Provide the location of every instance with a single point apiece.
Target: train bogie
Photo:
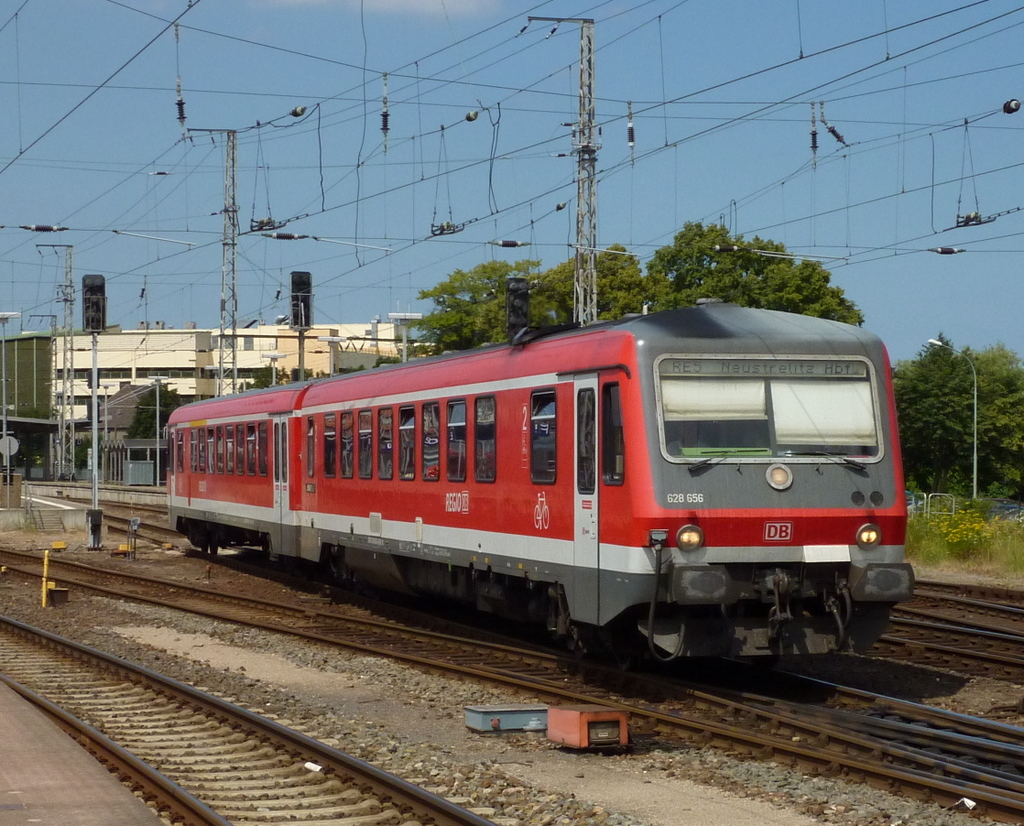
(709, 481)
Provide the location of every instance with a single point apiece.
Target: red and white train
(698, 482)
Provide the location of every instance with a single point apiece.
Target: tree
(694, 269)
(622, 287)
(469, 307)
(935, 407)
(261, 377)
(143, 424)
(1000, 429)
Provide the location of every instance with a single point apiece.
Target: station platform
(47, 778)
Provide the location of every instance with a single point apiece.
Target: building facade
(189, 361)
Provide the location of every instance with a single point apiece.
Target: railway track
(854, 735)
(218, 763)
(975, 630)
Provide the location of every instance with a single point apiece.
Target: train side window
(180, 450)
(240, 449)
(365, 444)
(220, 448)
(586, 441)
(250, 449)
(330, 444)
(277, 452)
(201, 443)
(543, 442)
(456, 458)
(347, 445)
(210, 451)
(310, 445)
(431, 442)
(485, 453)
(229, 449)
(281, 464)
(193, 451)
(613, 442)
(261, 447)
(385, 445)
(407, 442)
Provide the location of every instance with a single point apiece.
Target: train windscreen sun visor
(769, 408)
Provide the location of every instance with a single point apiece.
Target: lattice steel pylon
(229, 274)
(585, 146)
(65, 400)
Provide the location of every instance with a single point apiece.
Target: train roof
(729, 328)
(712, 328)
(280, 399)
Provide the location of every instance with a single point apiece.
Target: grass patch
(966, 541)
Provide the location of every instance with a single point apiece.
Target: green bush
(967, 539)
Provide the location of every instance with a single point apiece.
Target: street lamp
(402, 320)
(7, 445)
(273, 364)
(331, 341)
(157, 380)
(936, 343)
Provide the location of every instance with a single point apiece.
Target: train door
(281, 519)
(586, 558)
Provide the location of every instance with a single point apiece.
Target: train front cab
(782, 519)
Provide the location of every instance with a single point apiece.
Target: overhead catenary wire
(360, 199)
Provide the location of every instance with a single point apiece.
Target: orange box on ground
(587, 726)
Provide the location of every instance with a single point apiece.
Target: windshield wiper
(721, 452)
(831, 454)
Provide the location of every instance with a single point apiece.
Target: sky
(907, 98)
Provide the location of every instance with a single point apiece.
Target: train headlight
(779, 477)
(689, 538)
(868, 536)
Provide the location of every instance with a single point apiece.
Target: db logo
(778, 531)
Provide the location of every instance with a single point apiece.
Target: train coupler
(841, 614)
(780, 612)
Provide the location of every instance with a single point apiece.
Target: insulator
(472, 116)
(814, 130)
(1011, 106)
(384, 118)
(726, 248)
(284, 236)
(946, 250)
(630, 134)
(43, 228)
(181, 110)
(835, 134)
(510, 243)
(298, 111)
(561, 206)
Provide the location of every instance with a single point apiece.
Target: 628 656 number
(685, 498)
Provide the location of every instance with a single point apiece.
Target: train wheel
(334, 563)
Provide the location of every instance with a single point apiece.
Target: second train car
(708, 481)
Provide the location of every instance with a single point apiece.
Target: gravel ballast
(413, 724)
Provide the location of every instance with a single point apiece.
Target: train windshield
(751, 407)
